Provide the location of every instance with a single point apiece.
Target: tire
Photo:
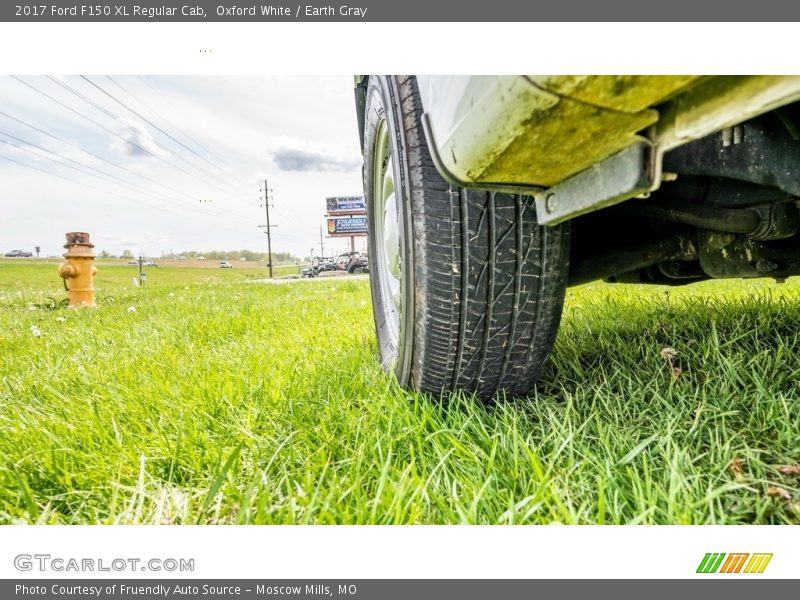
(480, 307)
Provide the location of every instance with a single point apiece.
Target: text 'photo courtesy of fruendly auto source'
(385, 299)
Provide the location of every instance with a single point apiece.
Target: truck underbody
(727, 207)
(665, 179)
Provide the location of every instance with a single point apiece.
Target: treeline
(278, 258)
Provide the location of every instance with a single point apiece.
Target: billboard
(346, 205)
(347, 226)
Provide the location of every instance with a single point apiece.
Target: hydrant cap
(78, 237)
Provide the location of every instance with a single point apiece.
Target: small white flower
(31, 307)
(131, 309)
(60, 319)
(35, 331)
(668, 353)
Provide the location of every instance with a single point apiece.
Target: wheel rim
(388, 229)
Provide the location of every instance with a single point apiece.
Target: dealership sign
(346, 205)
(347, 226)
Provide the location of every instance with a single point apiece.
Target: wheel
(467, 289)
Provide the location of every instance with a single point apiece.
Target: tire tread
(490, 282)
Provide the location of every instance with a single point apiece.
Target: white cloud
(135, 139)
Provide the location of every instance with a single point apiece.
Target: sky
(157, 164)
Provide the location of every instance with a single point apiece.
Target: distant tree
(127, 254)
(278, 258)
(105, 254)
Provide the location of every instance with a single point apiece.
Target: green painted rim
(388, 231)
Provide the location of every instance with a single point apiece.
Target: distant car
(145, 263)
(19, 254)
(224, 264)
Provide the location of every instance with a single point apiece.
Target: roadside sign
(346, 205)
(347, 226)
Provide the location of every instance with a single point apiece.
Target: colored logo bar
(736, 562)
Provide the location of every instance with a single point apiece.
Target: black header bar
(541, 11)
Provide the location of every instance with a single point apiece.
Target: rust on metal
(77, 270)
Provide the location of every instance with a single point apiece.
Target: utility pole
(269, 228)
(321, 245)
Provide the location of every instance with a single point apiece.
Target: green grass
(30, 278)
(220, 401)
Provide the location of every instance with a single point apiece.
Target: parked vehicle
(318, 265)
(18, 254)
(224, 264)
(351, 262)
(488, 196)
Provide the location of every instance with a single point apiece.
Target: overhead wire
(127, 141)
(97, 156)
(279, 212)
(183, 133)
(80, 170)
(284, 216)
(162, 131)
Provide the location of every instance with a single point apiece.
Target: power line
(89, 152)
(161, 207)
(32, 145)
(75, 181)
(81, 170)
(285, 216)
(183, 133)
(174, 139)
(146, 120)
(83, 116)
(80, 114)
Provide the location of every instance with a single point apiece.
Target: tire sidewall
(382, 102)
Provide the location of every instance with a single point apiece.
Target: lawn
(204, 398)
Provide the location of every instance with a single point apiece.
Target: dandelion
(35, 331)
(131, 309)
(668, 353)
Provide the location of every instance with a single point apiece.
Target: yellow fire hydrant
(78, 269)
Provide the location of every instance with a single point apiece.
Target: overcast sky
(142, 190)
